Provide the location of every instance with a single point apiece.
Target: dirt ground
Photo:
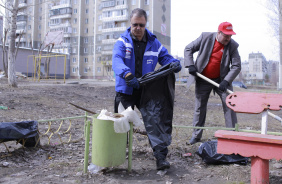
(54, 162)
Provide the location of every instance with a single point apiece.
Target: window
(85, 40)
(73, 70)
(74, 11)
(39, 35)
(74, 30)
(107, 14)
(99, 37)
(74, 40)
(120, 12)
(85, 60)
(40, 18)
(147, 2)
(86, 11)
(74, 60)
(120, 2)
(99, 69)
(100, 28)
(85, 51)
(85, 70)
(86, 21)
(74, 1)
(75, 20)
(99, 48)
(29, 27)
(86, 1)
(39, 27)
(86, 30)
(133, 2)
(74, 50)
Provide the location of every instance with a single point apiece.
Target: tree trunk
(4, 56)
(12, 47)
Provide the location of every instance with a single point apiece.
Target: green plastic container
(108, 147)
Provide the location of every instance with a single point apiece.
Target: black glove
(132, 81)
(176, 65)
(223, 86)
(193, 70)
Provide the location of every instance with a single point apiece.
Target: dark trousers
(202, 93)
(155, 102)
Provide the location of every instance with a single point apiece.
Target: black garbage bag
(25, 132)
(208, 152)
(157, 106)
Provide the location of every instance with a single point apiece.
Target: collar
(144, 38)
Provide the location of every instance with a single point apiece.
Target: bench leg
(259, 171)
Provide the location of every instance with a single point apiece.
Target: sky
(250, 20)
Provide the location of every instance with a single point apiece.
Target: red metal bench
(260, 147)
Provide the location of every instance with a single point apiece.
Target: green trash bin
(108, 147)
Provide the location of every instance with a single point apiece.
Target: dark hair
(139, 13)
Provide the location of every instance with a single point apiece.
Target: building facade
(90, 29)
(1, 26)
(258, 71)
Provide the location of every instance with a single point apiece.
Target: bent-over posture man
(219, 60)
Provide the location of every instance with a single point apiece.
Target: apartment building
(1, 26)
(255, 69)
(90, 29)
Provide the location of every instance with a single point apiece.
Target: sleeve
(190, 49)
(118, 59)
(235, 65)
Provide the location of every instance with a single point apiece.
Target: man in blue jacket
(135, 54)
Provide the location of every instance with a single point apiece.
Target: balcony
(113, 29)
(19, 31)
(22, 13)
(21, 23)
(107, 63)
(62, 16)
(66, 44)
(22, 40)
(115, 18)
(67, 35)
(55, 26)
(22, 5)
(67, 5)
(60, 13)
(109, 41)
(107, 52)
(119, 7)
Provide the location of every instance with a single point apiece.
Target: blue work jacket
(124, 59)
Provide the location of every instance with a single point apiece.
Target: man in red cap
(219, 60)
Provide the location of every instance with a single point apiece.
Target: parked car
(239, 84)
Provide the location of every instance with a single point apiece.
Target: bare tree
(4, 53)
(275, 19)
(12, 47)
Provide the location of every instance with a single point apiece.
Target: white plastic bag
(94, 169)
(121, 124)
(132, 116)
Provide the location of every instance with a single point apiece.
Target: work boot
(162, 164)
(193, 140)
